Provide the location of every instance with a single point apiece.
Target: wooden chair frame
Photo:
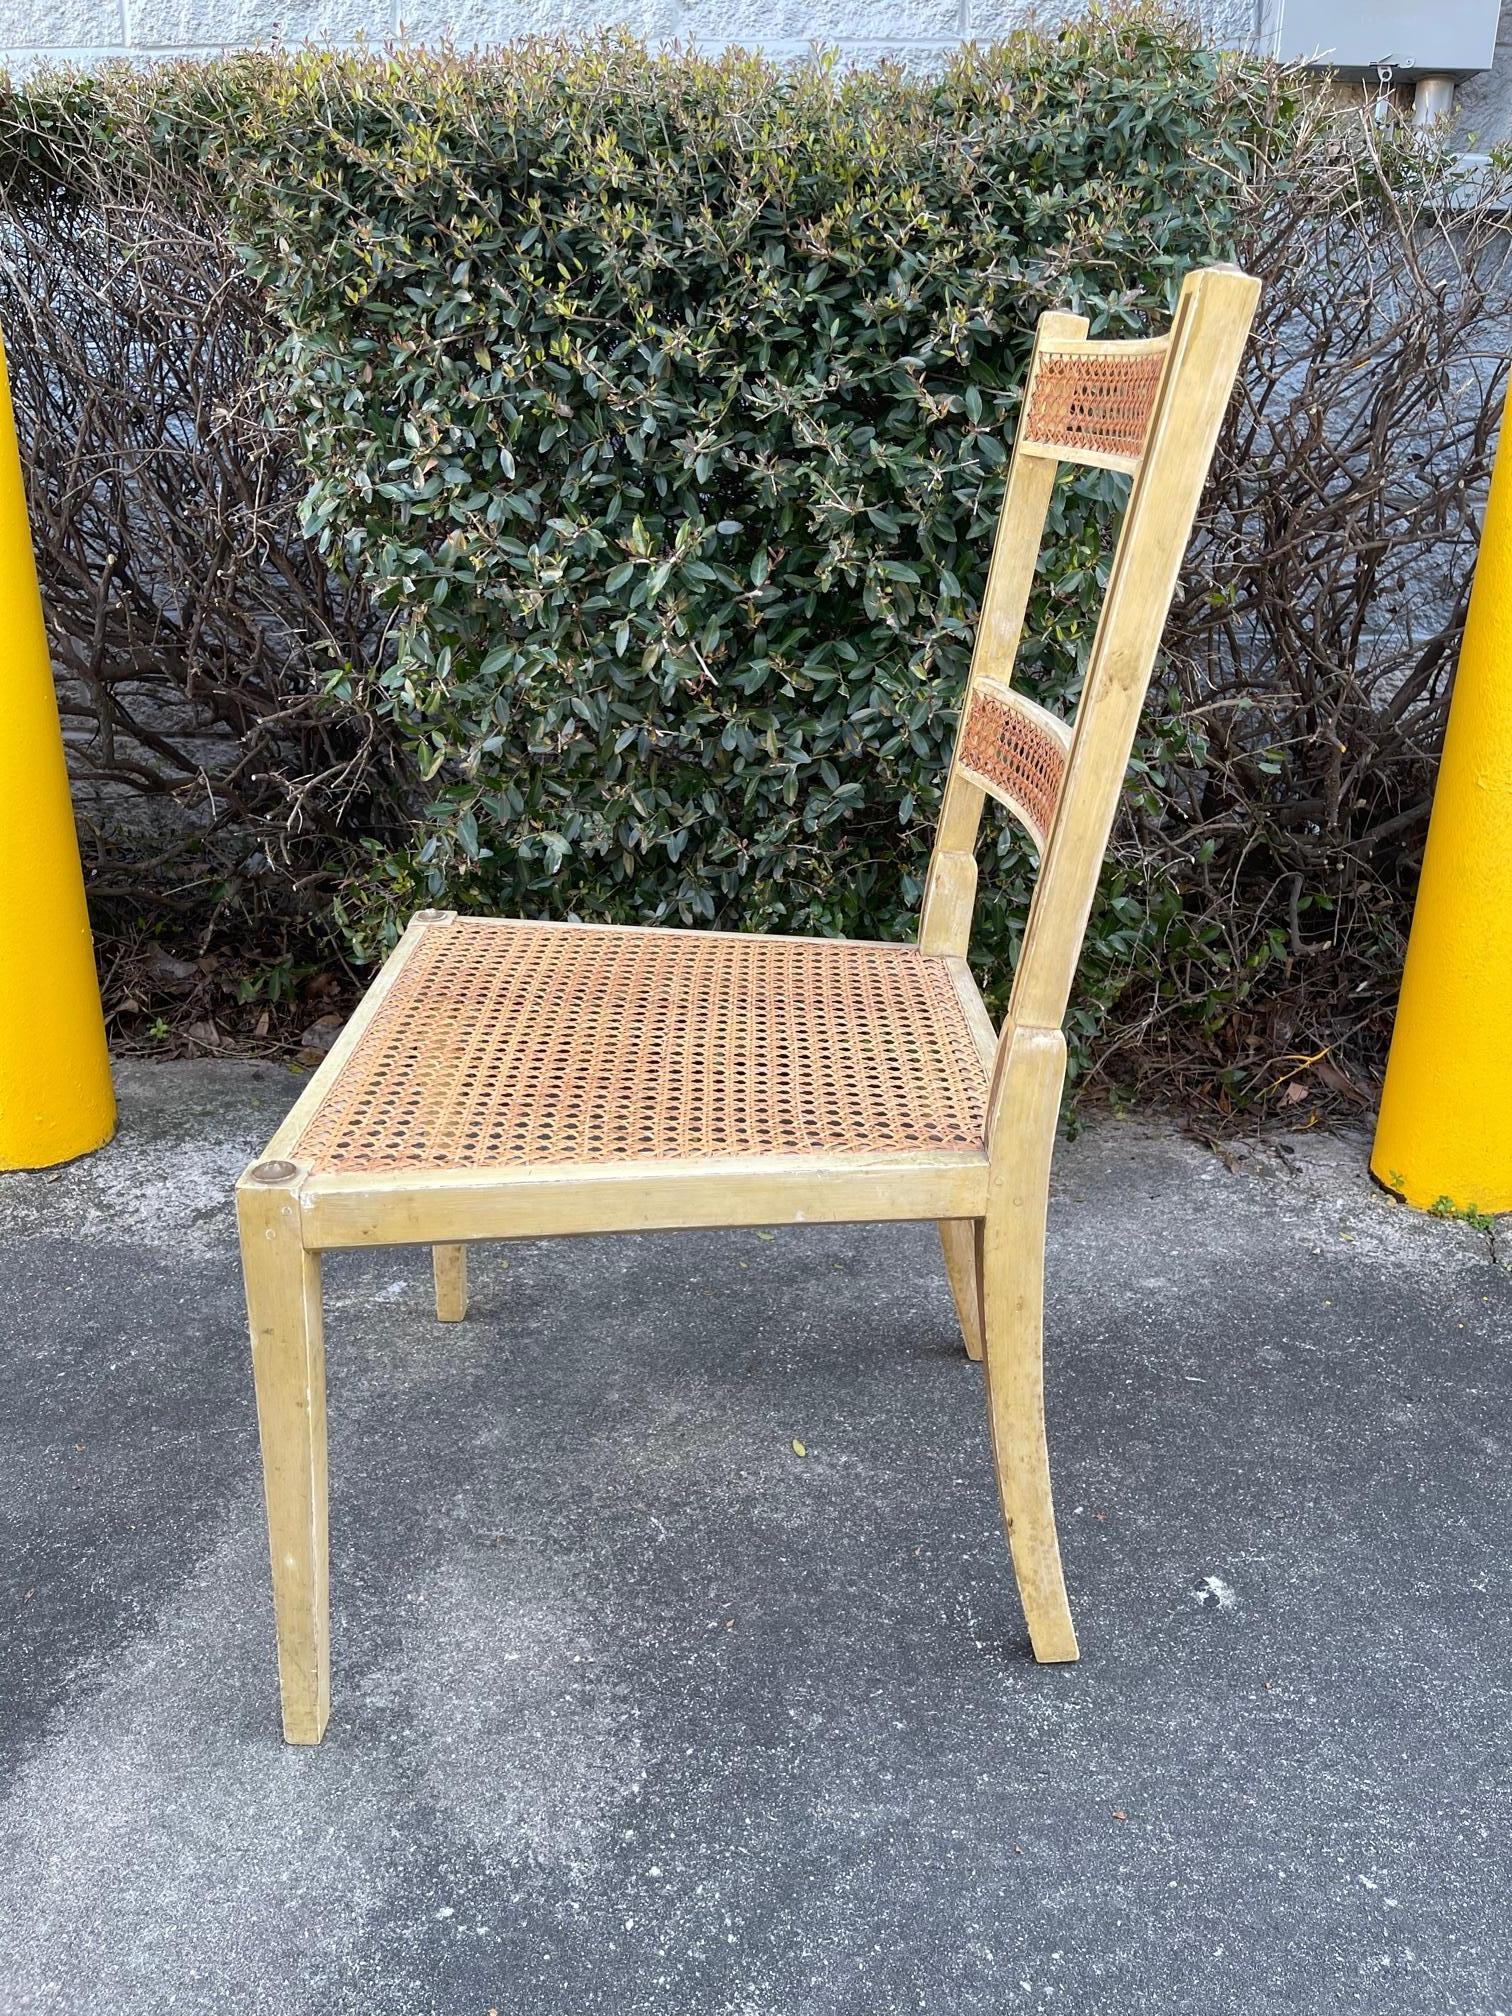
(1150, 408)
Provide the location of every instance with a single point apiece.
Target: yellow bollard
(55, 1094)
(1444, 1138)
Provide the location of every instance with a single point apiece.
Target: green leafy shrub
(663, 403)
(651, 415)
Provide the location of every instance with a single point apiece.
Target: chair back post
(950, 891)
(1207, 341)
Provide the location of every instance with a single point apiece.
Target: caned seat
(508, 1045)
(505, 1079)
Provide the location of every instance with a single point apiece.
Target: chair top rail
(1090, 401)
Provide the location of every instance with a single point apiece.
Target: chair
(505, 1079)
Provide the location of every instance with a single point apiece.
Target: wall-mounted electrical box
(1446, 38)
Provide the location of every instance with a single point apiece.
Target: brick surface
(485, 23)
(193, 24)
(802, 21)
(76, 24)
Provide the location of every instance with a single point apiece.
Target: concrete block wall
(33, 31)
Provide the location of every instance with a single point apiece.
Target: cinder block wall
(87, 30)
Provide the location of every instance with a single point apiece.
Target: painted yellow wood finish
(976, 1158)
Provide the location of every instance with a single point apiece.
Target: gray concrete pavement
(637, 1711)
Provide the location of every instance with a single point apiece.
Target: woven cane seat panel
(1016, 755)
(1100, 402)
(510, 1045)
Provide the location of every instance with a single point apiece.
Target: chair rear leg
(960, 1239)
(288, 1366)
(1013, 1309)
(450, 1266)
(1013, 1275)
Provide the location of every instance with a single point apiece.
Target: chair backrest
(1152, 408)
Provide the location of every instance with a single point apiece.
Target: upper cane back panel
(511, 1045)
(1017, 751)
(1093, 402)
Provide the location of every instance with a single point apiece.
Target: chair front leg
(1013, 1305)
(961, 1242)
(449, 1265)
(288, 1366)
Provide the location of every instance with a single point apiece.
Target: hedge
(653, 414)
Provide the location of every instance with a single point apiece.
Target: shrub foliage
(653, 416)
(664, 404)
